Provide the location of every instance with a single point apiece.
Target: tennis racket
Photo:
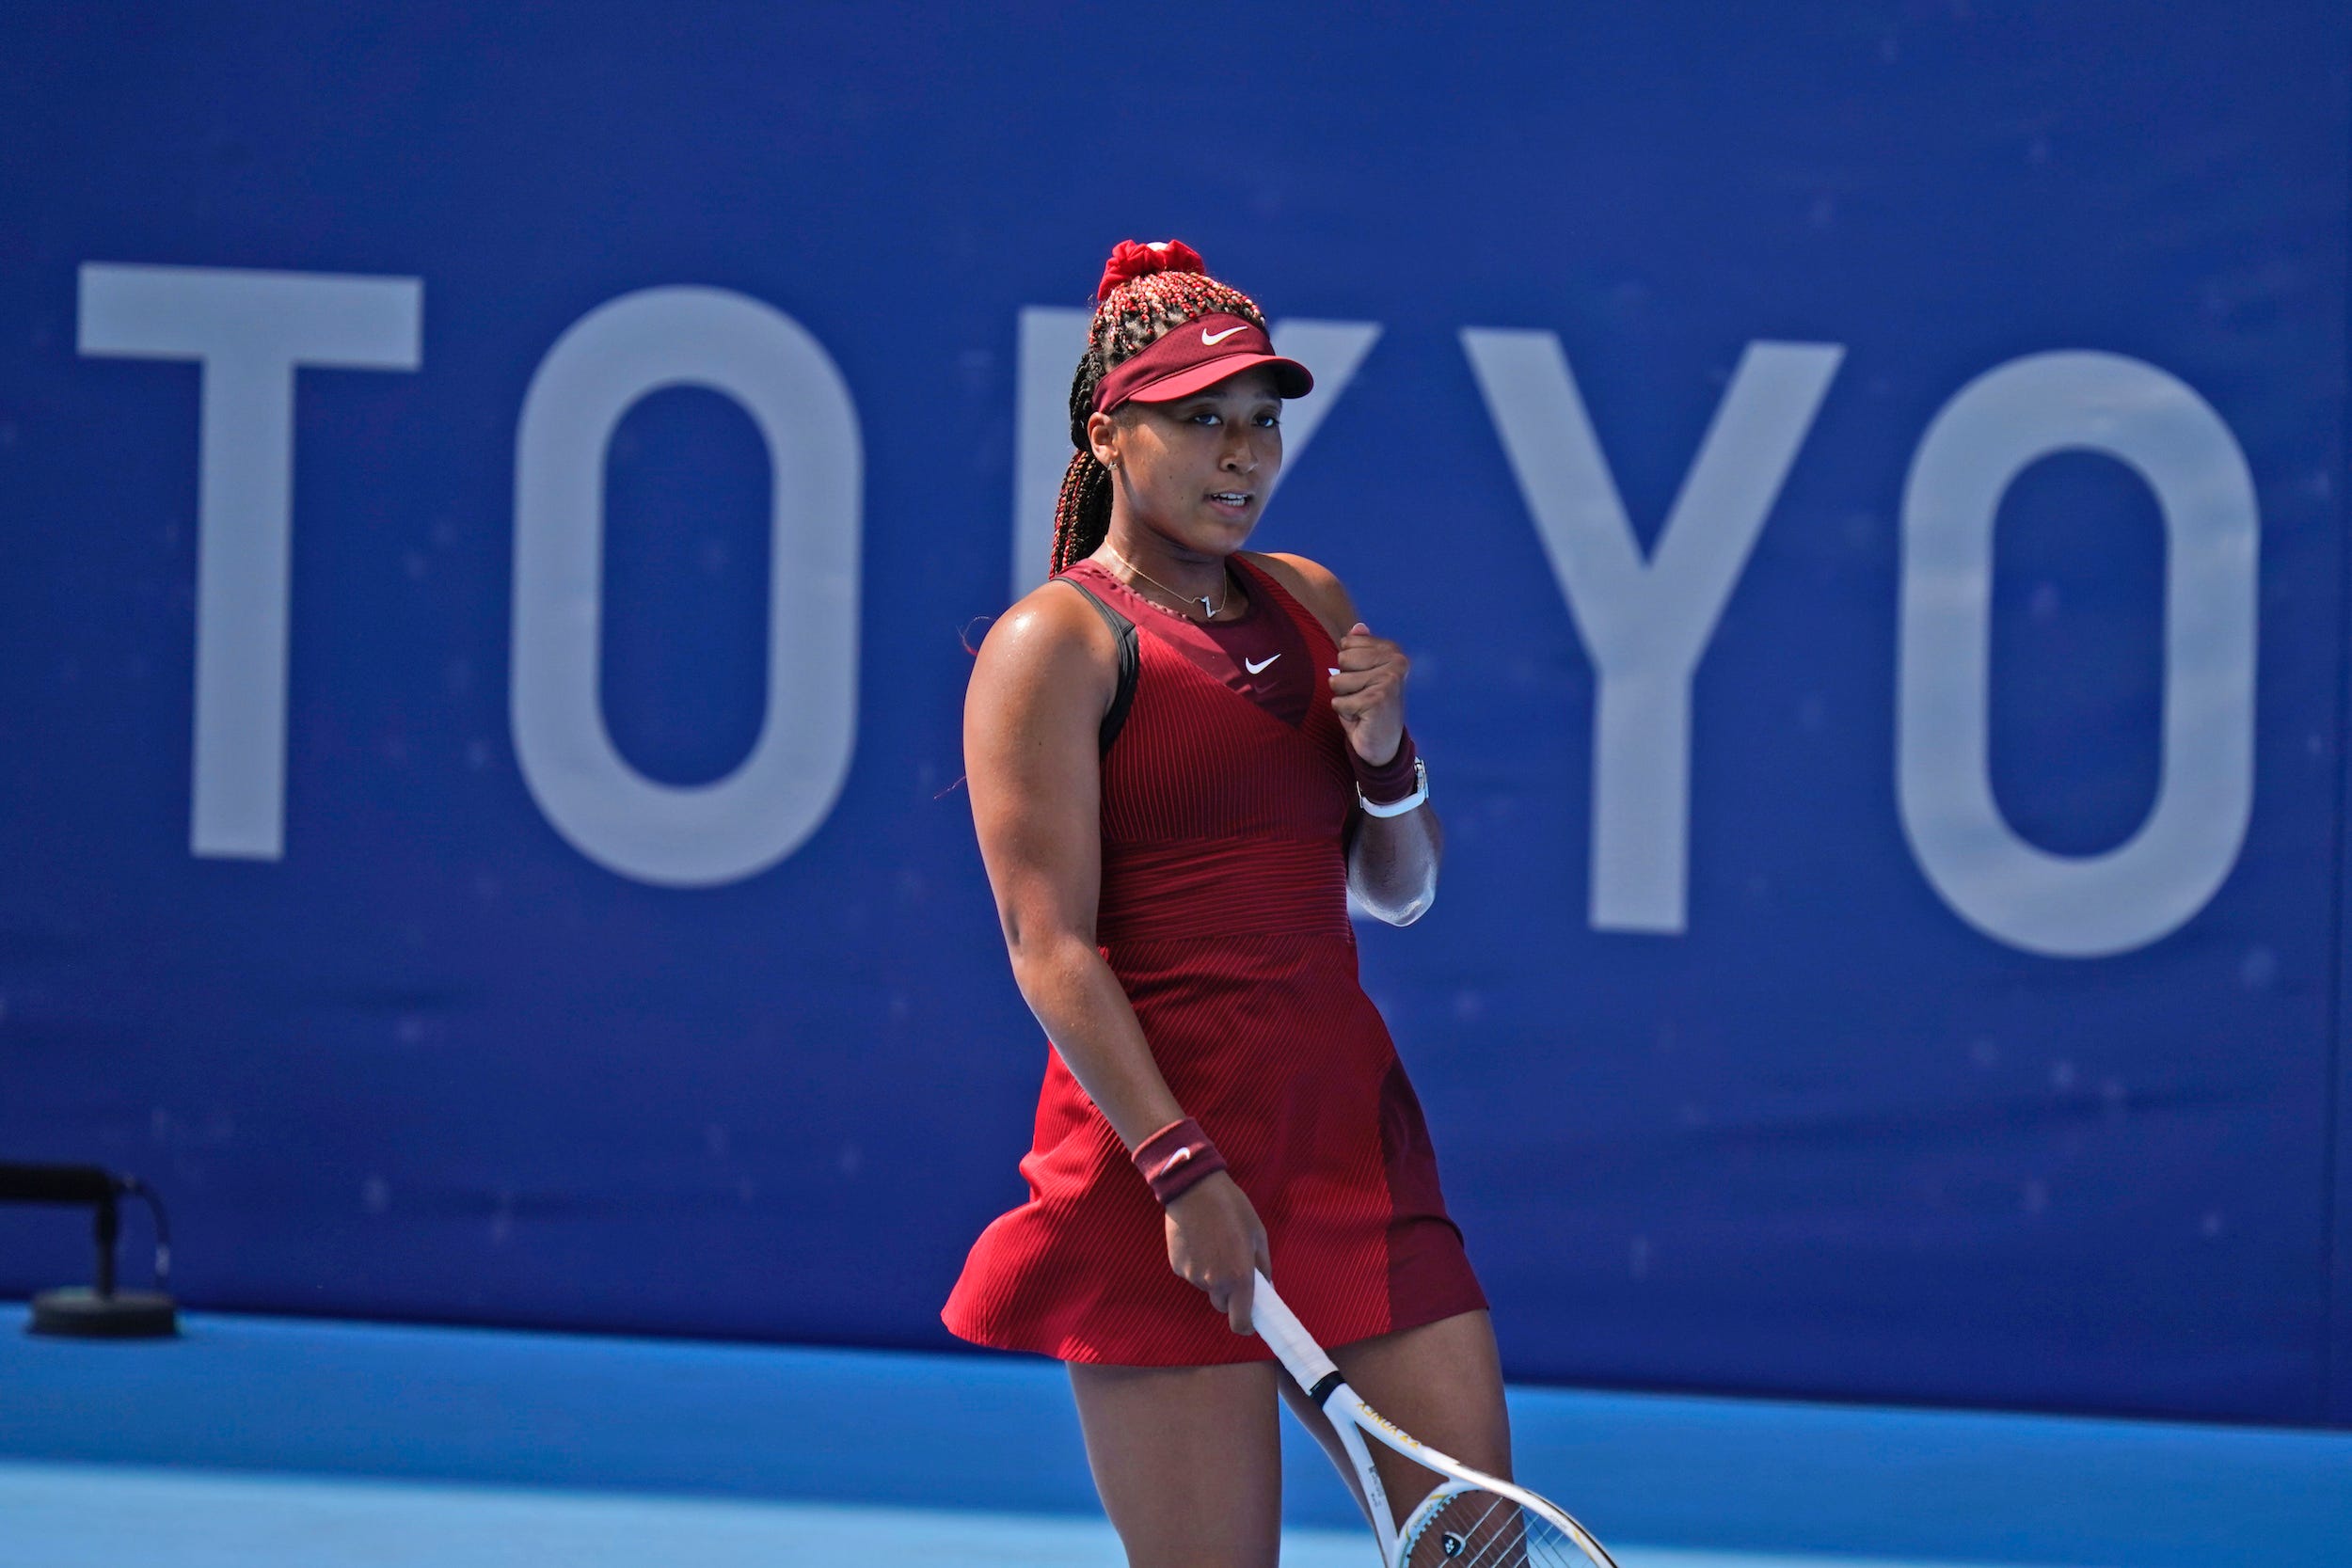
(1473, 1520)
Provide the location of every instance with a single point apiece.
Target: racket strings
(1477, 1528)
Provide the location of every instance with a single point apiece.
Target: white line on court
(103, 1517)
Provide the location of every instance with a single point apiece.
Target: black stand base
(79, 1313)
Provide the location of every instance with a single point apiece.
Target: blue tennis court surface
(95, 1517)
(268, 1443)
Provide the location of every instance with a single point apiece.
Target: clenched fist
(1368, 693)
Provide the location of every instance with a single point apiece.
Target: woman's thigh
(1442, 1381)
(1188, 1461)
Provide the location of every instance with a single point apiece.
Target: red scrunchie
(1131, 260)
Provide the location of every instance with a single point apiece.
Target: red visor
(1199, 354)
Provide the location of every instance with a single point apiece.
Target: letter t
(248, 330)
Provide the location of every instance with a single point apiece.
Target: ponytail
(1082, 516)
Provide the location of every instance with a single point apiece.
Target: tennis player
(1183, 756)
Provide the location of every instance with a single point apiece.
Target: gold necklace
(1208, 611)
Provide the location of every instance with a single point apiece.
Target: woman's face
(1195, 471)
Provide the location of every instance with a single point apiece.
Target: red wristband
(1176, 1159)
(1392, 780)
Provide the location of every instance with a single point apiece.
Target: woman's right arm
(1031, 720)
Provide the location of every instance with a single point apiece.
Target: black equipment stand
(99, 1312)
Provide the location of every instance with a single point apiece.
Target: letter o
(2013, 416)
(699, 835)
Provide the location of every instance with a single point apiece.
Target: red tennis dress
(1223, 911)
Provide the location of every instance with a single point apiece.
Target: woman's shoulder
(1312, 584)
(1050, 635)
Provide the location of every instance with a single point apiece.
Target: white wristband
(1398, 808)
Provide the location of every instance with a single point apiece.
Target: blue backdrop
(1942, 1005)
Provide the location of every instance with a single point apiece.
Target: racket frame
(1353, 1418)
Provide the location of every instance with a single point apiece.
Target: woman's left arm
(1392, 860)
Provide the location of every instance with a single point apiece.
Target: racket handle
(1287, 1338)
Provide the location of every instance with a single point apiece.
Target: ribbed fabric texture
(1260, 653)
(1224, 913)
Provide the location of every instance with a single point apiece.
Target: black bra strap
(1123, 631)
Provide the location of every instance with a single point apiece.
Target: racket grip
(1287, 1338)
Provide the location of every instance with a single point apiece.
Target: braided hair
(1147, 291)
